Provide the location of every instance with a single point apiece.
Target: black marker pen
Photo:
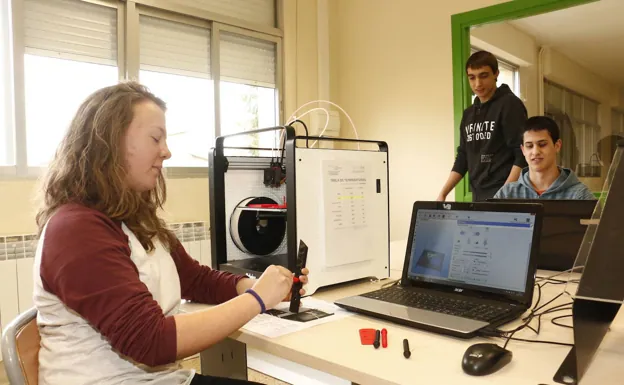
(377, 337)
(406, 351)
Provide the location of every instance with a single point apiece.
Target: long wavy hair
(89, 166)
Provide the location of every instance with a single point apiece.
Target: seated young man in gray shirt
(543, 179)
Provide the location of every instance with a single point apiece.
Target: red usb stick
(384, 338)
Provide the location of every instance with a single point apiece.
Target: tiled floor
(192, 363)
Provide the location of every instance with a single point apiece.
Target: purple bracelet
(262, 307)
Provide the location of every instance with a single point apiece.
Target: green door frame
(460, 33)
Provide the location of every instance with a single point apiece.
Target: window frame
(21, 170)
(515, 69)
(216, 23)
(128, 64)
(7, 79)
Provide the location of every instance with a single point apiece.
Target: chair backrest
(20, 349)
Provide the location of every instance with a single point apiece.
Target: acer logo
(446, 206)
(458, 290)
(251, 275)
(476, 355)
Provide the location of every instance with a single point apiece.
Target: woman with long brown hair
(109, 275)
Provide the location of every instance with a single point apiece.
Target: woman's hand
(304, 279)
(273, 285)
(272, 276)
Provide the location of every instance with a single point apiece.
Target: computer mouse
(483, 359)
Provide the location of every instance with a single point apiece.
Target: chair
(20, 349)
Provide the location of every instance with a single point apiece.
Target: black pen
(377, 336)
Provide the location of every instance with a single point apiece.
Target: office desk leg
(226, 359)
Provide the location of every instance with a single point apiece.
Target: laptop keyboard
(446, 305)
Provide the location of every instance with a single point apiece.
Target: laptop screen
(562, 232)
(478, 249)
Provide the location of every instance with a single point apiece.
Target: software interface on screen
(488, 249)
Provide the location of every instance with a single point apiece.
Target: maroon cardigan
(86, 263)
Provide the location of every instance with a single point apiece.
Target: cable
(541, 342)
(501, 334)
(312, 110)
(335, 105)
(275, 147)
(304, 114)
(539, 298)
(283, 146)
(508, 335)
(554, 281)
(549, 302)
(532, 312)
(550, 277)
(556, 308)
(304, 127)
(389, 284)
(560, 324)
(509, 339)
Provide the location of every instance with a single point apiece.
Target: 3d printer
(263, 201)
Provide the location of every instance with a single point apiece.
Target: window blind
(247, 60)
(71, 29)
(172, 47)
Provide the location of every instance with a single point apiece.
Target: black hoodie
(491, 135)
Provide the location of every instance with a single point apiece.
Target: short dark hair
(482, 59)
(541, 123)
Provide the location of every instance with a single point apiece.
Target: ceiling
(591, 35)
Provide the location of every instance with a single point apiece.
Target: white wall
(395, 80)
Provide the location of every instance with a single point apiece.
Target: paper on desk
(271, 326)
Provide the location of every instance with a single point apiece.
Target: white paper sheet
(272, 326)
(347, 190)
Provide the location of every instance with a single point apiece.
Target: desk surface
(436, 359)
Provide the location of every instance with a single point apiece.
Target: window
(54, 89)
(175, 65)
(71, 48)
(70, 51)
(577, 117)
(508, 74)
(7, 145)
(247, 90)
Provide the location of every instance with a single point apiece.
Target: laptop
(467, 266)
(562, 231)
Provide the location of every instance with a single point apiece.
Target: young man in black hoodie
(491, 132)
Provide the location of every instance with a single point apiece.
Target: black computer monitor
(562, 231)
